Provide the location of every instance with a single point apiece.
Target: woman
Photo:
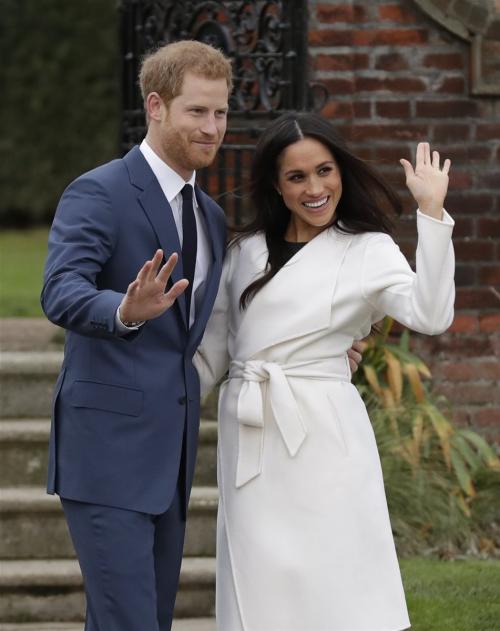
(304, 538)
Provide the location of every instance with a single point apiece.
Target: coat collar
(298, 300)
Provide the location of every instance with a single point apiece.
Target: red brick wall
(396, 77)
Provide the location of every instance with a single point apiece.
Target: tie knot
(187, 193)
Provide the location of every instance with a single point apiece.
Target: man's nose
(209, 125)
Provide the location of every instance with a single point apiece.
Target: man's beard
(184, 153)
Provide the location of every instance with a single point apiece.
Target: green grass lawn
(22, 256)
(452, 595)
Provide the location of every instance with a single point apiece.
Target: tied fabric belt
(285, 411)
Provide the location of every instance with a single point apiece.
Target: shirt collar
(170, 181)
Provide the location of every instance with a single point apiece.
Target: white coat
(304, 540)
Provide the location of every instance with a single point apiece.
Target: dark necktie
(189, 242)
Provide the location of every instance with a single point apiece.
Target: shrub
(441, 479)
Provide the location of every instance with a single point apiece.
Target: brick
(467, 153)
(488, 227)
(452, 85)
(396, 13)
(461, 346)
(465, 275)
(362, 109)
(446, 109)
(367, 37)
(392, 153)
(390, 84)
(393, 109)
(489, 180)
(391, 61)
(490, 323)
(487, 417)
(464, 324)
(339, 86)
(469, 371)
(341, 62)
(470, 393)
(338, 109)
(488, 131)
(389, 37)
(330, 37)
(468, 203)
(390, 132)
(476, 298)
(490, 275)
(445, 61)
(493, 31)
(474, 250)
(460, 179)
(340, 13)
(451, 133)
(464, 227)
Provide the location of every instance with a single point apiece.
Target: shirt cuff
(121, 328)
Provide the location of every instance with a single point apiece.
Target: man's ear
(154, 106)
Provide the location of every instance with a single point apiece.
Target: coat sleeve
(81, 241)
(422, 300)
(212, 356)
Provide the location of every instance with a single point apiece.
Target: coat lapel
(295, 302)
(159, 213)
(212, 283)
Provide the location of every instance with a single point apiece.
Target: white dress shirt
(171, 184)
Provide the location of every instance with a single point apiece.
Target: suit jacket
(122, 404)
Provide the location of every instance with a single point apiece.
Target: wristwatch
(129, 325)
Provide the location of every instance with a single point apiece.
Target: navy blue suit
(126, 409)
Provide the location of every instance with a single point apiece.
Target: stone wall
(397, 73)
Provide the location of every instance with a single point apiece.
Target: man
(126, 412)
(126, 407)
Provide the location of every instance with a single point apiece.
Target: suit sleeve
(81, 241)
(211, 359)
(422, 300)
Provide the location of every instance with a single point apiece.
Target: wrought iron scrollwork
(267, 42)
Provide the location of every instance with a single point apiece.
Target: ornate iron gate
(267, 41)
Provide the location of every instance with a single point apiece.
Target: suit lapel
(212, 283)
(159, 213)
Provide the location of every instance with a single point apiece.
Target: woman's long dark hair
(363, 207)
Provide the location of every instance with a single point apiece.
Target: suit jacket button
(182, 400)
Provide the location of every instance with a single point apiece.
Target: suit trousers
(130, 563)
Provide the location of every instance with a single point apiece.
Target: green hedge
(60, 99)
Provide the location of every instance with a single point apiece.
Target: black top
(291, 248)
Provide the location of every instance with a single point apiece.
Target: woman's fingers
(427, 153)
(446, 166)
(420, 156)
(435, 159)
(407, 167)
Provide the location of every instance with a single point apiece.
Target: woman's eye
(295, 178)
(325, 170)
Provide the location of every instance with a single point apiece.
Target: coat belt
(285, 411)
